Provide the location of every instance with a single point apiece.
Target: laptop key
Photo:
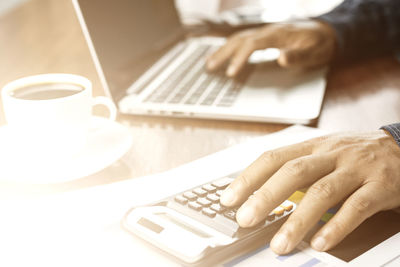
(172, 82)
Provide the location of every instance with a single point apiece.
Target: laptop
(148, 67)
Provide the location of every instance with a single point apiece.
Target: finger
(260, 170)
(294, 57)
(239, 59)
(223, 54)
(293, 175)
(362, 204)
(321, 196)
(247, 47)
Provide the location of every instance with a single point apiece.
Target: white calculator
(195, 229)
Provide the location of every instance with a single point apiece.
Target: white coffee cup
(49, 115)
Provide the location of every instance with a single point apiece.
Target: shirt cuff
(394, 130)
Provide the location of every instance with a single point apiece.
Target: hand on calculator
(195, 229)
(363, 170)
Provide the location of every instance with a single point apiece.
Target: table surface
(44, 36)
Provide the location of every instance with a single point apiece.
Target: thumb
(294, 57)
(304, 57)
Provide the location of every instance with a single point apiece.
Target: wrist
(328, 33)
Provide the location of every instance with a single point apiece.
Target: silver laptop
(148, 67)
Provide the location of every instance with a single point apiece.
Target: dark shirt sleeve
(394, 130)
(365, 28)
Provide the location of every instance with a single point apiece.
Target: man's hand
(303, 44)
(363, 170)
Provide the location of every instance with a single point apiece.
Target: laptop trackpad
(270, 86)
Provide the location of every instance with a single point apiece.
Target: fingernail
(228, 197)
(279, 243)
(246, 215)
(319, 243)
(231, 71)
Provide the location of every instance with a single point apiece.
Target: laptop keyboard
(191, 84)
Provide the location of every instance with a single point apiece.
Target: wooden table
(44, 36)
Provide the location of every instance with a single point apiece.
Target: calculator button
(204, 202)
(209, 188)
(219, 192)
(271, 217)
(287, 206)
(218, 208)
(194, 205)
(278, 211)
(231, 214)
(213, 198)
(209, 212)
(190, 195)
(222, 183)
(200, 192)
(180, 199)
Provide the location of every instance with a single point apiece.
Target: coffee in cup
(49, 115)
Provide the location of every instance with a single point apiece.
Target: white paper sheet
(82, 228)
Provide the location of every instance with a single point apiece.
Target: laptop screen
(129, 36)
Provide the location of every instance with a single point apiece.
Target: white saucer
(107, 142)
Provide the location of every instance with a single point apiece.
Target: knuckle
(361, 205)
(244, 181)
(311, 143)
(386, 174)
(389, 183)
(337, 227)
(297, 56)
(270, 156)
(370, 155)
(387, 180)
(364, 154)
(293, 224)
(294, 168)
(322, 190)
(291, 57)
(235, 37)
(265, 195)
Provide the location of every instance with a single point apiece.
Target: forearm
(365, 27)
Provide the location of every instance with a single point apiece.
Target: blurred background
(7, 5)
(37, 41)
(234, 11)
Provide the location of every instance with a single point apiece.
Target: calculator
(195, 229)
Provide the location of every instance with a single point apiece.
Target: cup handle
(105, 101)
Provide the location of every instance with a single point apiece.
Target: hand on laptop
(304, 44)
(361, 170)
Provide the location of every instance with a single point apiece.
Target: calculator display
(183, 225)
(150, 225)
